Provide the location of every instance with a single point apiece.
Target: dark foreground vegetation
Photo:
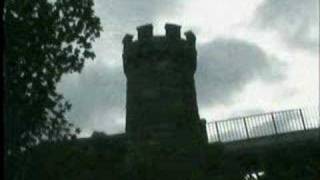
(44, 39)
(106, 157)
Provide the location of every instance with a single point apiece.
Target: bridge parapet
(263, 125)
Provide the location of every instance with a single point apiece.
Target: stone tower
(161, 95)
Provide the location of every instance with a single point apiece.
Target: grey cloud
(98, 98)
(130, 12)
(119, 17)
(294, 20)
(225, 66)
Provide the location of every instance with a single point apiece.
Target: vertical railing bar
(236, 127)
(281, 121)
(286, 114)
(274, 123)
(226, 127)
(296, 123)
(291, 116)
(317, 115)
(245, 126)
(236, 134)
(249, 123)
(269, 119)
(264, 120)
(288, 118)
(241, 131)
(256, 125)
(217, 129)
(314, 120)
(298, 117)
(233, 134)
(238, 130)
(222, 131)
(208, 129)
(253, 129)
(255, 132)
(234, 130)
(290, 121)
(260, 125)
(286, 124)
(252, 125)
(211, 132)
(263, 129)
(307, 112)
(302, 119)
(208, 126)
(229, 125)
(256, 121)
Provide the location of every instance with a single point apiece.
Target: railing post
(245, 125)
(274, 123)
(218, 134)
(302, 119)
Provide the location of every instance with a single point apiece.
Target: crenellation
(159, 55)
(172, 31)
(145, 32)
(126, 41)
(191, 38)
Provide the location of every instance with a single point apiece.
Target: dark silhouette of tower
(161, 95)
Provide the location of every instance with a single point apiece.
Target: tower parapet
(172, 31)
(169, 50)
(145, 32)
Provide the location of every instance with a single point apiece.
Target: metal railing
(267, 124)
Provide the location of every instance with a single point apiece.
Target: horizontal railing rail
(265, 124)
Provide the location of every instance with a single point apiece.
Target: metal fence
(254, 126)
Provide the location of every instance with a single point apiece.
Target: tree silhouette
(44, 39)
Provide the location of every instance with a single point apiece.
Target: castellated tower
(161, 96)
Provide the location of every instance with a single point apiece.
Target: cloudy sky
(253, 56)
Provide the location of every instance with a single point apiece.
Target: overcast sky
(253, 56)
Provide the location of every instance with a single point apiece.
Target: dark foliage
(82, 159)
(44, 40)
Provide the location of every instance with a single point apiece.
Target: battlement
(145, 33)
(161, 54)
(172, 31)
